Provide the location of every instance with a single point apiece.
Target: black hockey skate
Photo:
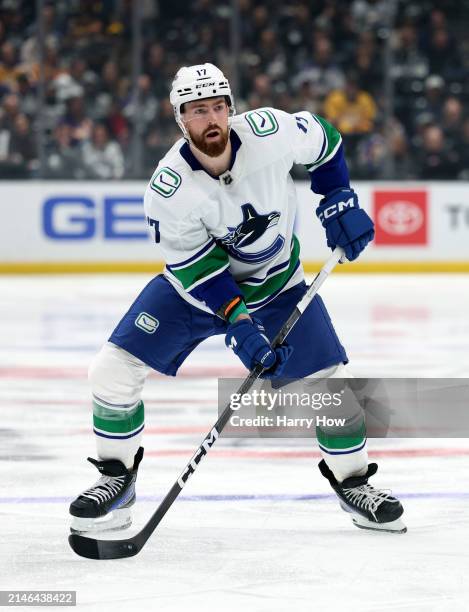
(370, 508)
(106, 505)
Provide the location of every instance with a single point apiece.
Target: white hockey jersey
(243, 220)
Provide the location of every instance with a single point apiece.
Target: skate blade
(360, 521)
(396, 526)
(117, 520)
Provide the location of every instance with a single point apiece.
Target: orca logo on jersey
(251, 228)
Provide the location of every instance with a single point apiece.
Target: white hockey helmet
(195, 83)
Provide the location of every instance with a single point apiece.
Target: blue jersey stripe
(186, 262)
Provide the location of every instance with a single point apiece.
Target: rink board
(100, 227)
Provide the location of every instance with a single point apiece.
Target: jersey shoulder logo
(166, 182)
(262, 122)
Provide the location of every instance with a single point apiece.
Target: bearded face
(206, 122)
(212, 141)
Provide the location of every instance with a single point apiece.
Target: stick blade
(102, 549)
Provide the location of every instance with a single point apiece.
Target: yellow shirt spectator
(351, 111)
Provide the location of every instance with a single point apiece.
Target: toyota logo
(400, 218)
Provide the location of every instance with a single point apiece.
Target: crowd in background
(324, 56)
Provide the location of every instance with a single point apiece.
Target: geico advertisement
(82, 218)
(74, 222)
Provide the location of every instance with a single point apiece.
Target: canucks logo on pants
(251, 228)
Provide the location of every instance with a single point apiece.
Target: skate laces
(367, 497)
(105, 488)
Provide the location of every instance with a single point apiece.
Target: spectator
(165, 124)
(76, 117)
(435, 161)
(351, 110)
(107, 89)
(444, 55)
(403, 166)
(148, 104)
(296, 27)
(452, 119)
(292, 55)
(81, 73)
(262, 92)
(116, 121)
(18, 156)
(464, 150)
(102, 157)
(307, 99)
(323, 74)
(63, 158)
(153, 151)
(409, 62)
(27, 95)
(52, 30)
(9, 67)
(370, 14)
(431, 104)
(272, 57)
(371, 160)
(366, 64)
(155, 68)
(9, 110)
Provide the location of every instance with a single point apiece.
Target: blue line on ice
(242, 497)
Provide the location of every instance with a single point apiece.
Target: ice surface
(256, 528)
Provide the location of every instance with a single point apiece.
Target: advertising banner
(98, 226)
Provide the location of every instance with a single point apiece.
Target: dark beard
(212, 149)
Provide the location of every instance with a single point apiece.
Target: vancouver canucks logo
(251, 228)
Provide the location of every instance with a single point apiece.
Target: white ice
(240, 536)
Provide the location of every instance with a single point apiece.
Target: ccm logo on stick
(196, 459)
(82, 218)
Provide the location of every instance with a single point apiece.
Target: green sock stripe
(118, 421)
(341, 442)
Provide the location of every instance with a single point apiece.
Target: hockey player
(221, 205)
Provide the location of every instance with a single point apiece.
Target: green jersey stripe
(314, 166)
(256, 293)
(207, 266)
(333, 140)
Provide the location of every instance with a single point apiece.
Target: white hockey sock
(117, 379)
(354, 463)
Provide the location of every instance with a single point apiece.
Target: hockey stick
(119, 549)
